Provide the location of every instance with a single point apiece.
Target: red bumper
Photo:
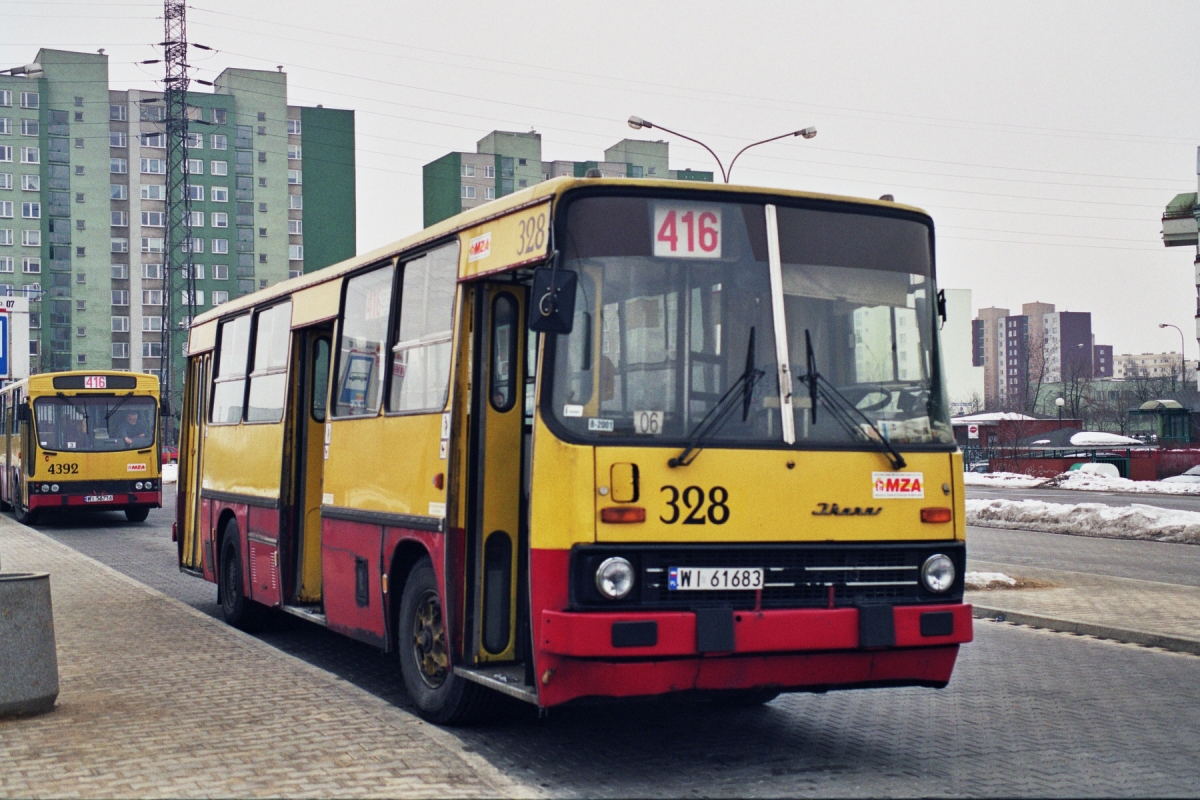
(785, 649)
(75, 500)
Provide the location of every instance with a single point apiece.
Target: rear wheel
(238, 609)
(137, 513)
(441, 696)
(23, 514)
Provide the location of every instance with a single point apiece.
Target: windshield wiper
(840, 408)
(113, 410)
(78, 409)
(711, 422)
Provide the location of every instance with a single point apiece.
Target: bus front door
(311, 352)
(496, 539)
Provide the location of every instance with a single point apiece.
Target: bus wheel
(137, 513)
(441, 696)
(22, 514)
(238, 609)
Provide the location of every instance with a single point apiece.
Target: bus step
(507, 678)
(309, 613)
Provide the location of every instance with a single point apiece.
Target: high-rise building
(505, 161)
(987, 331)
(1132, 366)
(83, 175)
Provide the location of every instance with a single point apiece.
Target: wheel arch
(406, 555)
(223, 520)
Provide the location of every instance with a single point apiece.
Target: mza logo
(901, 485)
(480, 247)
(136, 467)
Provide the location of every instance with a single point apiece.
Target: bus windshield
(674, 309)
(95, 424)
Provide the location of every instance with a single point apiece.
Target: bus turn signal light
(623, 514)
(439, 480)
(936, 515)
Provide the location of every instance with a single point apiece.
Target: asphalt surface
(1028, 712)
(1178, 502)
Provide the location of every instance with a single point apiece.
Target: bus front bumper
(650, 653)
(96, 500)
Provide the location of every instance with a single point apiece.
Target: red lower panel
(564, 679)
(352, 552)
(119, 500)
(264, 573)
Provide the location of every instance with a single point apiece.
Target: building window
(194, 245)
(153, 191)
(31, 210)
(81, 332)
(220, 246)
(120, 297)
(295, 227)
(218, 167)
(79, 143)
(152, 324)
(120, 245)
(152, 297)
(196, 219)
(118, 191)
(219, 297)
(220, 272)
(262, 156)
(80, 224)
(6, 180)
(195, 166)
(154, 166)
(154, 140)
(219, 141)
(152, 245)
(468, 192)
(31, 266)
(117, 113)
(5, 153)
(196, 192)
(119, 219)
(6, 236)
(152, 272)
(197, 271)
(151, 349)
(489, 171)
(489, 193)
(6, 264)
(295, 252)
(195, 141)
(219, 219)
(31, 238)
(220, 194)
(32, 291)
(80, 252)
(293, 152)
(120, 271)
(120, 349)
(6, 208)
(30, 100)
(31, 155)
(218, 116)
(185, 296)
(467, 171)
(30, 127)
(262, 182)
(154, 219)
(293, 127)
(262, 208)
(79, 168)
(31, 183)
(295, 177)
(262, 233)
(5, 98)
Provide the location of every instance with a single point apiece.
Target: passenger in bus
(133, 430)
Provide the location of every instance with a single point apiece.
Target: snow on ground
(1001, 480)
(988, 580)
(170, 473)
(1088, 519)
(1091, 482)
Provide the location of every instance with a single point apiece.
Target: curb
(1178, 644)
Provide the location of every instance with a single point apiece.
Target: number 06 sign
(687, 231)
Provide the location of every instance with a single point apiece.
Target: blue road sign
(4, 360)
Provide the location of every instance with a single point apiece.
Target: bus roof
(44, 382)
(495, 208)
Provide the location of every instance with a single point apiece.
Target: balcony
(1179, 221)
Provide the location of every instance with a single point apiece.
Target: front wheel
(137, 513)
(21, 512)
(441, 696)
(238, 609)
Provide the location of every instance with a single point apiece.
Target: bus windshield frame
(95, 423)
(857, 281)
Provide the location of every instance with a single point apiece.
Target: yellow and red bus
(81, 440)
(598, 438)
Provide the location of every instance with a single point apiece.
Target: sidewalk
(159, 700)
(1154, 614)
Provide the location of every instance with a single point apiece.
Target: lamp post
(1182, 353)
(1058, 401)
(637, 123)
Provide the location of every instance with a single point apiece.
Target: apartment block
(83, 205)
(506, 161)
(1132, 366)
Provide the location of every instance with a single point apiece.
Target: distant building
(1131, 366)
(1102, 361)
(964, 377)
(505, 161)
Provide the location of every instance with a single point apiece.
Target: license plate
(682, 579)
(98, 498)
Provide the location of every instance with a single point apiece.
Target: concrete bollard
(28, 659)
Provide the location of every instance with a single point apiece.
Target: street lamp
(1182, 352)
(637, 123)
(1058, 401)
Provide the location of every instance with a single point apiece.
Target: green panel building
(505, 161)
(83, 177)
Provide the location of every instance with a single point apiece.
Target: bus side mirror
(552, 301)
(23, 412)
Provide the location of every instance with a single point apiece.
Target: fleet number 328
(700, 508)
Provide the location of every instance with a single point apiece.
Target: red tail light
(623, 514)
(936, 515)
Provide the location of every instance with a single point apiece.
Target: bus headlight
(938, 573)
(45, 487)
(614, 578)
(54, 487)
(138, 485)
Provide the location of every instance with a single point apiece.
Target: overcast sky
(1044, 138)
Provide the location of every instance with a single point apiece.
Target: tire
(239, 610)
(22, 514)
(441, 696)
(137, 513)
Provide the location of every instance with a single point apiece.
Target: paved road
(1180, 502)
(1028, 712)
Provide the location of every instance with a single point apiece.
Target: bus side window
(420, 362)
(268, 378)
(364, 330)
(320, 379)
(229, 384)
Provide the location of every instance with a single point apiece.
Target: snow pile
(1092, 482)
(988, 580)
(1102, 439)
(1088, 519)
(1001, 480)
(170, 473)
